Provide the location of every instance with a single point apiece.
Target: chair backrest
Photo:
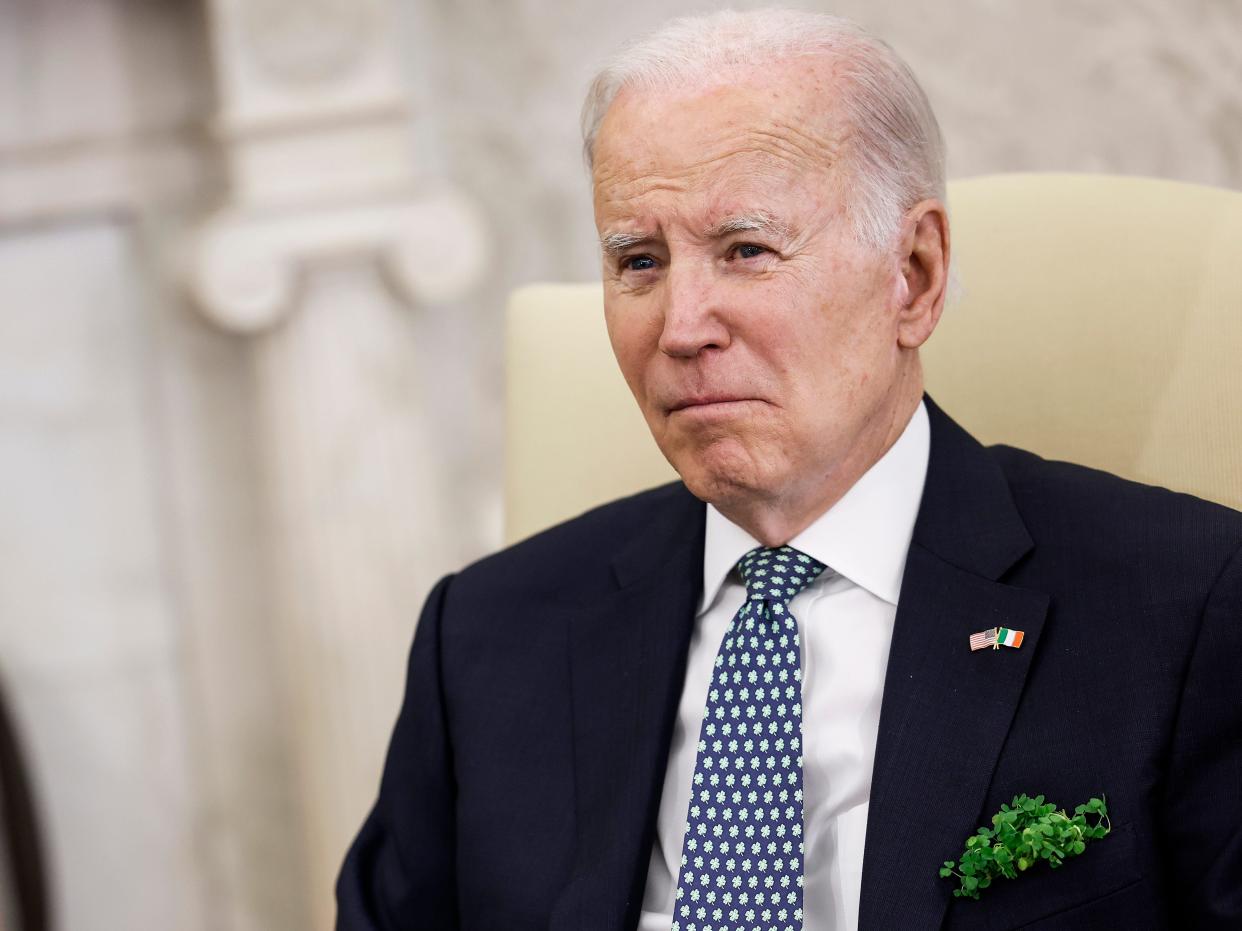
(1099, 320)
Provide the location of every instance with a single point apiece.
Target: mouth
(709, 403)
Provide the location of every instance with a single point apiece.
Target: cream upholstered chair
(1099, 321)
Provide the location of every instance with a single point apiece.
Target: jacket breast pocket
(1105, 867)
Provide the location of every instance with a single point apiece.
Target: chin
(722, 473)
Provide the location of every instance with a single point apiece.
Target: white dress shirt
(845, 619)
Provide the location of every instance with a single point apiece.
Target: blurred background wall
(253, 258)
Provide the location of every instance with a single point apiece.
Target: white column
(324, 252)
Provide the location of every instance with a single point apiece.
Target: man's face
(759, 337)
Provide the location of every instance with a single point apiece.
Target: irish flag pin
(996, 638)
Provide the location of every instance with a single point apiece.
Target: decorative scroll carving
(246, 265)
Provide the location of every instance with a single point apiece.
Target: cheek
(634, 340)
(826, 361)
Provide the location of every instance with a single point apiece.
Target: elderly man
(750, 700)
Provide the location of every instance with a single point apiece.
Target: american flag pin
(996, 638)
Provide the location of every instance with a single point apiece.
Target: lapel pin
(996, 638)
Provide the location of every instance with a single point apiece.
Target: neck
(776, 520)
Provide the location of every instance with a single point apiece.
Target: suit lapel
(628, 657)
(945, 711)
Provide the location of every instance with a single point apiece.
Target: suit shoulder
(579, 550)
(1085, 507)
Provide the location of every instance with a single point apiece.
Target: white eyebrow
(746, 223)
(614, 244)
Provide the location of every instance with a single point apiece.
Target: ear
(924, 255)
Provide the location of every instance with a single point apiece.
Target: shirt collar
(864, 537)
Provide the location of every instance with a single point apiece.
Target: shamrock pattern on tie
(741, 859)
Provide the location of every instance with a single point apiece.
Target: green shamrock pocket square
(1023, 833)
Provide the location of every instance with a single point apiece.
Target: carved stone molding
(307, 41)
(80, 136)
(247, 265)
(313, 127)
(283, 60)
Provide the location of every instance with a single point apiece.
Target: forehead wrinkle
(717, 178)
(770, 159)
(651, 169)
(760, 151)
(793, 144)
(622, 193)
(740, 165)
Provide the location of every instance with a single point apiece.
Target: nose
(693, 319)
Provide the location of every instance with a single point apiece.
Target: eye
(637, 263)
(747, 250)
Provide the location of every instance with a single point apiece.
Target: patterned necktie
(741, 861)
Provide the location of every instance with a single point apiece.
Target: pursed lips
(710, 400)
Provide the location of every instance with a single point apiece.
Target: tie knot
(777, 574)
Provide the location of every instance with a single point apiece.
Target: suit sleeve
(1204, 811)
(399, 872)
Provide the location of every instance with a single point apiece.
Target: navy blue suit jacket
(524, 775)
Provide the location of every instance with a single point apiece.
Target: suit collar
(945, 711)
(967, 516)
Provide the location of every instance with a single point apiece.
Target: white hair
(893, 148)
